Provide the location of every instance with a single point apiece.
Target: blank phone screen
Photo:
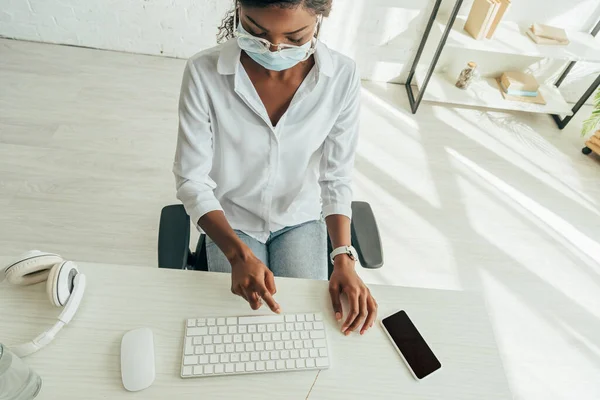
(411, 344)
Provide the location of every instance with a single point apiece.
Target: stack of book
(544, 34)
(484, 17)
(519, 86)
(593, 143)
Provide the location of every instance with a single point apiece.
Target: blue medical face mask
(286, 57)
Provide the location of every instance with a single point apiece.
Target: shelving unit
(509, 38)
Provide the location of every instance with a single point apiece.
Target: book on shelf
(515, 92)
(538, 99)
(502, 9)
(550, 32)
(563, 41)
(479, 17)
(517, 80)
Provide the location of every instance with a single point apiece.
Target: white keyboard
(257, 344)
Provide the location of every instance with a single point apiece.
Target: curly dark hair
(318, 7)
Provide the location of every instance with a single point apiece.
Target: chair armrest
(365, 236)
(173, 238)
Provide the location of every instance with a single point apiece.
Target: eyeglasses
(254, 44)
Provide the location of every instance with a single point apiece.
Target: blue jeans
(294, 252)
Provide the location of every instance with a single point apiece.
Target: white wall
(381, 35)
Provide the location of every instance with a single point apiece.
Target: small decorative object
(466, 76)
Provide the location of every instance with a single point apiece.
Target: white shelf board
(511, 38)
(484, 93)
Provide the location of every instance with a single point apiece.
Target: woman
(268, 126)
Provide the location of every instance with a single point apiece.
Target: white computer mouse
(137, 359)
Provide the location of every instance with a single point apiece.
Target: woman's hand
(252, 280)
(363, 306)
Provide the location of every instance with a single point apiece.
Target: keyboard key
(237, 338)
(318, 325)
(209, 369)
(189, 347)
(251, 328)
(269, 346)
(239, 367)
(285, 354)
(190, 360)
(191, 323)
(198, 370)
(224, 358)
(232, 329)
(220, 321)
(300, 363)
(286, 336)
(201, 322)
(323, 352)
(219, 368)
(264, 356)
(280, 327)
(322, 362)
(319, 343)
(245, 357)
(250, 366)
(289, 327)
(317, 334)
(240, 347)
(242, 329)
(207, 340)
(235, 357)
(318, 317)
(218, 339)
(308, 326)
(310, 317)
(297, 326)
(229, 348)
(295, 354)
(199, 350)
(289, 345)
(298, 344)
(197, 340)
(304, 353)
(270, 327)
(227, 339)
(186, 371)
(249, 347)
(264, 319)
(209, 349)
(229, 368)
(254, 356)
(289, 364)
(260, 365)
(310, 363)
(290, 318)
(274, 355)
(204, 359)
(247, 338)
(261, 328)
(308, 344)
(295, 335)
(219, 349)
(266, 337)
(231, 321)
(260, 346)
(214, 359)
(280, 364)
(270, 365)
(222, 330)
(300, 318)
(279, 346)
(256, 337)
(314, 353)
(210, 322)
(304, 335)
(197, 331)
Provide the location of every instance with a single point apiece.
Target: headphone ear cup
(60, 283)
(32, 268)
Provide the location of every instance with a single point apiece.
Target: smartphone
(415, 352)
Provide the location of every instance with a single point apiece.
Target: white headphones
(65, 286)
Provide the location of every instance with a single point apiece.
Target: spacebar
(264, 319)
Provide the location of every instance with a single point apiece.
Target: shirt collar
(230, 57)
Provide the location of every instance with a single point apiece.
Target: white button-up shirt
(230, 157)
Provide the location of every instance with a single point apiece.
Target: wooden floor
(501, 203)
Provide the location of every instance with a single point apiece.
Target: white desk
(83, 361)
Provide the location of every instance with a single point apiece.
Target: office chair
(174, 240)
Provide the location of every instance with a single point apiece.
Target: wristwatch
(349, 250)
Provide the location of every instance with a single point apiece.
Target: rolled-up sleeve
(337, 162)
(194, 153)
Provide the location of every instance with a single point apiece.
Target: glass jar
(17, 380)
(466, 76)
